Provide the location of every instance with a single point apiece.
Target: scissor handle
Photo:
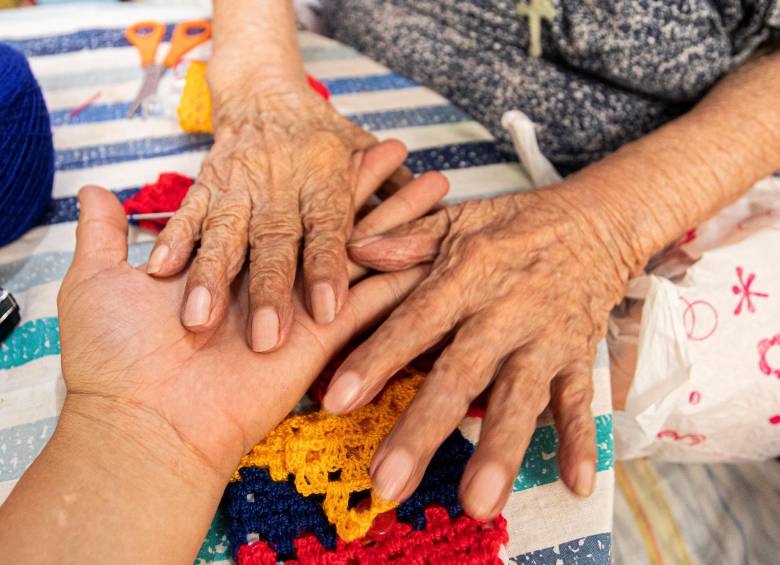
(146, 36)
(186, 36)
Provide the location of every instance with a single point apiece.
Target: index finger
(378, 164)
(407, 204)
(417, 324)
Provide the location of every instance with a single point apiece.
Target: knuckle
(274, 256)
(576, 431)
(410, 314)
(327, 212)
(271, 277)
(227, 227)
(320, 259)
(575, 394)
(476, 244)
(405, 201)
(534, 393)
(212, 171)
(327, 239)
(210, 270)
(276, 229)
(393, 285)
(453, 374)
(180, 226)
(208, 262)
(270, 286)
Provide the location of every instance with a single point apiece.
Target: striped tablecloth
(79, 51)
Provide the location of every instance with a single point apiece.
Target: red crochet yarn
(463, 541)
(165, 195)
(321, 89)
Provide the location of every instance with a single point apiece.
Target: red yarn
(321, 89)
(256, 553)
(478, 406)
(463, 541)
(165, 195)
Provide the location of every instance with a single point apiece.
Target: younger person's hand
(123, 348)
(156, 418)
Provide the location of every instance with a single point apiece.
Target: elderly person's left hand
(526, 281)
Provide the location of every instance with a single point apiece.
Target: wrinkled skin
(525, 283)
(124, 350)
(281, 173)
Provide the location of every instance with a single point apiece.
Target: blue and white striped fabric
(78, 51)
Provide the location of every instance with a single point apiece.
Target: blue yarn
(439, 485)
(26, 150)
(277, 512)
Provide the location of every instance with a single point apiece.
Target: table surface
(79, 51)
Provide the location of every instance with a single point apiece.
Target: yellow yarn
(331, 455)
(194, 109)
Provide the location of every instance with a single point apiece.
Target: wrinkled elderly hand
(525, 282)
(131, 360)
(282, 170)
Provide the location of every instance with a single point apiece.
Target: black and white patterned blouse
(609, 70)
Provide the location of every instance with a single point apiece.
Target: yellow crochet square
(331, 455)
(194, 109)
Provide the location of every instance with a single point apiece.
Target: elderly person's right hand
(279, 177)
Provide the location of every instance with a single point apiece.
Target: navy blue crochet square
(275, 511)
(440, 483)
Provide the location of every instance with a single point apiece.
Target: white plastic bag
(706, 385)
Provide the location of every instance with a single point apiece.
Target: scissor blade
(152, 76)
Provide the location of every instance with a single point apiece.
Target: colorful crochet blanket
(304, 493)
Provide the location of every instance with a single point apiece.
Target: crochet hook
(150, 216)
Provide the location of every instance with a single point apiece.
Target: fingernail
(364, 241)
(586, 477)
(392, 475)
(196, 311)
(265, 329)
(342, 393)
(485, 491)
(157, 259)
(323, 303)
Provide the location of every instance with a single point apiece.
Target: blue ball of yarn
(26, 149)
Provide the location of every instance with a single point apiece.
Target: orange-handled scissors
(147, 36)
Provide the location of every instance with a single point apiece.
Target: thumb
(101, 234)
(403, 247)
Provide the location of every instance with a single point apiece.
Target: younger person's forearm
(657, 187)
(98, 494)
(254, 39)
